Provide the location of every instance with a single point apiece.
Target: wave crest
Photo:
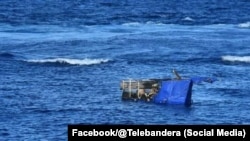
(244, 25)
(188, 19)
(236, 58)
(69, 61)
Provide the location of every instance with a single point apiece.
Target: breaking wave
(236, 58)
(188, 19)
(244, 25)
(69, 61)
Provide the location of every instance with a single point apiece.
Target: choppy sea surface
(61, 62)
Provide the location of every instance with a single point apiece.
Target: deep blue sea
(62, 61)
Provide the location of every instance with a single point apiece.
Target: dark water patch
(4, 134)
(236, 63)
(11, 56)
(6, 55)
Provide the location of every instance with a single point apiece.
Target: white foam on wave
(85, 61)
(244, 25)
(188, 19)
(132, 24)
(236, 58)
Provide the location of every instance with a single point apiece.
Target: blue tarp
(179, 91)
(175, 92)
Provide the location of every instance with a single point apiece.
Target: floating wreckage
(162, 91)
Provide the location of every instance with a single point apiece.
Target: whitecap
(236, 58)
(86, 61)
(244, 25)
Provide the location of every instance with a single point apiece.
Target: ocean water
(61, 62)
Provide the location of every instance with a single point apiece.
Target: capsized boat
(162, 91)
